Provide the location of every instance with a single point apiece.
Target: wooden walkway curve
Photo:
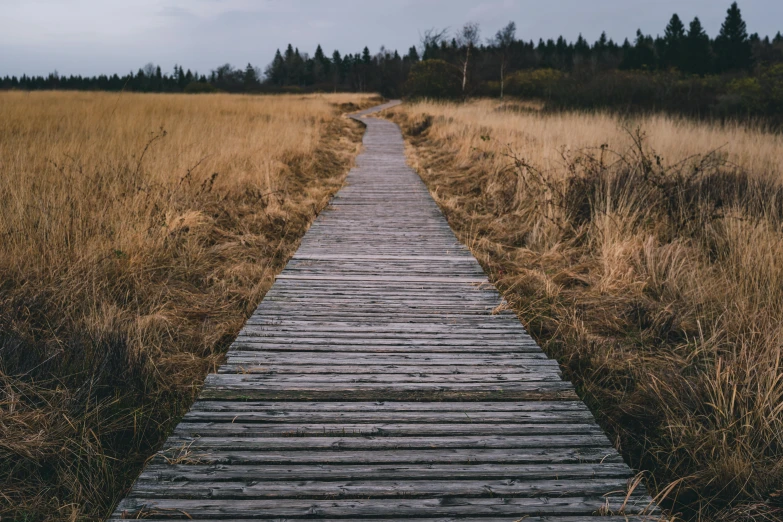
(375, 382)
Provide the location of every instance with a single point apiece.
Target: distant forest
(683, 69)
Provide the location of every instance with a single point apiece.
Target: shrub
(772, 88)
(200, 88)
(538, 83)
(434, 79)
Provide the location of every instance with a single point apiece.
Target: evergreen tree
(413, 54)
(581, 51)
(641, 55)
(732, 45)
(294, 66)
(290, 63)
(182, 80)
(276, 72)
(319, 54)
(697, 51)
(250, 78)
(673, 38)
(337, 69)
(602, 43)
(321, 65)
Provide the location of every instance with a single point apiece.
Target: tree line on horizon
(461, 64)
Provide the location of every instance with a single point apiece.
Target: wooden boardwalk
(375, 382)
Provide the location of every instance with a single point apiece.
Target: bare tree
(432, 38)
(503, 41)
(149, 70)
(467, 37)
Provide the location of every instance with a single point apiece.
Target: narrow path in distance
(378, 380)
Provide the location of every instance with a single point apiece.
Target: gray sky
(106, 36)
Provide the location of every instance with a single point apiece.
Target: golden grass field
(647, 256)
(138, 232)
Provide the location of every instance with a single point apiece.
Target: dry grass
(138, 232)
(650, 264)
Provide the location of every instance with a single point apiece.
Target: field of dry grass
(647, 256)
(138, 232)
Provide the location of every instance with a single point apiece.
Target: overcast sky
(106, 36)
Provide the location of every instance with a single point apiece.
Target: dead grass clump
(138, 233)
(650, 265)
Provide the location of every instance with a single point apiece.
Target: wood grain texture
(383, 378)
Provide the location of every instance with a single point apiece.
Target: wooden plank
(400, 279)
(187, 454)
(441, 417)
(358, 489)
(338, 257)
(381, 393)
(275, 472)
(449, 506)
(373, 443)
(389, 408)
(391, 429)
(506, 518)
(478, 372)
(317, 358)
(261, 379)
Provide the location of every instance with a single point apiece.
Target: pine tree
(732, 45)
(276, 72)
(603, 51)
(602, 43)
(697, 52)
(250, 78)
(182, 80)
(294, 66)
(338, 68)
(641, 55)
(413, 54)
(673, 38)
(321, 65)
(319, 54)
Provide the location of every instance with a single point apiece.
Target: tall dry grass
(137, 232)
(647, 256)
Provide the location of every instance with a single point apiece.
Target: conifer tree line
(461, 64)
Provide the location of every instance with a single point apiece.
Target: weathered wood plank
(379, 443)
(270, 472)
(384, 393)
(446, 506)
(358, 489)
(440, 417)
(257, 366)
(506, 518)
(259, 455)
(235, 429)
(414, 358)
(257, 379)
(388, 407)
